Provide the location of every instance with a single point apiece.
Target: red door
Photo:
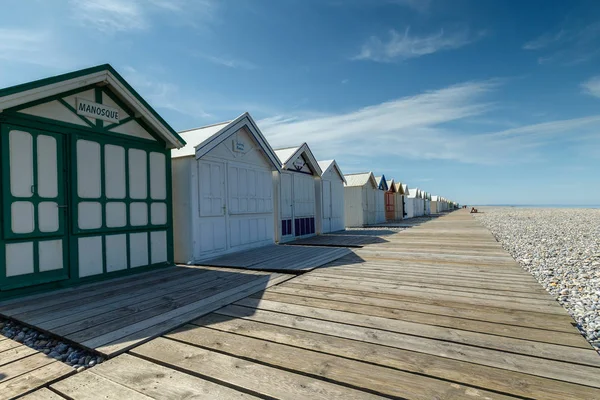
(390, 209)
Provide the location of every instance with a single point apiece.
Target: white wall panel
(116, 252)
(116, 214)
(114, 167)
(138, 174)
(88, 169)
(158, 242)
(47, 167)
(19, 259)
(51, 255)
(48, 216)
(89, 215)
(158, 213)
(90, 256)
(138, 249)
(158, 176)
(21, 163)
(22, 217)
(138, 214)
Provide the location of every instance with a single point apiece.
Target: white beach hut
(86, 181)
(297, 187)
(331, 191)
(223, 190)
(414, 206)
(400, 201)
(380, 198)
(360, 199)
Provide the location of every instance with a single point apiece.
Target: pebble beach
(560, 247)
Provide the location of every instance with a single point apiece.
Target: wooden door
(327, 206)
(287, 206)
(35, 249)
(212, 208)
(390, 208)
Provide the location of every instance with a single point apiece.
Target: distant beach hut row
(96, 184)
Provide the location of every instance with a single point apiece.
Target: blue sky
(478, 101)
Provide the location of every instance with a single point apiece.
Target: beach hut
(223, 190)
(436, 204)
(298, 201)
(390, 201)
(360, 206)
(86, 181)
(414, 203)
(400, 201)
(380, 199)
(330, 189)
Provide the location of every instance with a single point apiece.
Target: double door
(34, 246)
(297, 206)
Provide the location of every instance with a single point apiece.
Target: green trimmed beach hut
(85, 179)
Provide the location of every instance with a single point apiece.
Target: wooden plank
(16, 353)
(566, 339)
(548, 307)
(256, 378)
(467, 373)
(8, 344)
(42, 394)
(586, 356)
(113, 320)
(34, 379)
(117, 342)
(89, 386)
(119, 305)
(160, 382)
(581, 374)
(377, 379)
(24, 365)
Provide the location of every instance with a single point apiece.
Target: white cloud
(132, 15)
(423, 127)
(230, 62)
(570, 45)
(405, 46)
(592, 86)
(164, 95)
(32, 47)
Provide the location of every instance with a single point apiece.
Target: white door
(327, 211)
(212, 208)
(287, 207)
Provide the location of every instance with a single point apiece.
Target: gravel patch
(75, 357)
(561, 249)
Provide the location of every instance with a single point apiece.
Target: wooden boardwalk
(286, 259)
(113, 316)
(23, 369)
(439, 311)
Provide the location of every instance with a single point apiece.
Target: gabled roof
(413, 193)
(405, 188)
(202, 140)
(400, 187)
(381, 182)
(289, 154)
(391, 185)
(101, 75)
(360, 179)
(435, 198)
(329, 164)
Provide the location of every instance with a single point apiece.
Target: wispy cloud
(164, 95)
(569, 45)
(592, 86)
(112, 16)
(32, 47)
(404, 46)
(230, 62)
(422, 127)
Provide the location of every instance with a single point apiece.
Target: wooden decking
(279, 258)
(112, 316)
(23, 369)
(439, 311)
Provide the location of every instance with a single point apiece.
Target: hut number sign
(95, 110)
